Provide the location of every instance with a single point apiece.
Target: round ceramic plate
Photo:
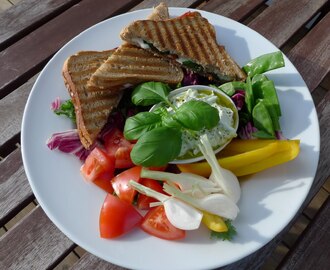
(269, 199)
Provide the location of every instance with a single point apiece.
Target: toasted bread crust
(159, 13)
(132, 65)
(189, 37)
(92, 108)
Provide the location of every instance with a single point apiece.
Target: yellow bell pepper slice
(214, 222)
(244, 157)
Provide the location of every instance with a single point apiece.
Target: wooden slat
(284, 17)
(11, 108)
(312, 55)
(17, 65)
(312, 252)
(28, 15)
(89, 261)
(34, 243)
(15, 192)
(235, 9)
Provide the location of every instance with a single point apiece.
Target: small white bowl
(222, 96)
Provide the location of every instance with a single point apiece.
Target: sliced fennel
(180, 214)
(217, 204)
(189, 183)
(220, 176)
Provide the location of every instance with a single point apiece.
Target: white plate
(269, 199)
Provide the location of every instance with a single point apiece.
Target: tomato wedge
(117, 217)
(104, 182)
(156, 223)
(96, 164)
(117, 146)
(143, 201)
(120, 183)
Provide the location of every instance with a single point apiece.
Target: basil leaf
(140, 123)
(169, 121)
(150, 93)
(196, 115)
(157, 147)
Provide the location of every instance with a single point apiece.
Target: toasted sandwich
(94, 105)
(190, 40)
(92, 108)
(131, 65)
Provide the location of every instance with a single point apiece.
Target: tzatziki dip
(221, 134)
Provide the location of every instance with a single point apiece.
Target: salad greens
(264, 63)
(152, 129)
(262, 106)
(225, 236)
(65, 108)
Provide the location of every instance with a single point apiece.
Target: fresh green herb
(225, 236)
(67, 109)
(153, 129)
(197, 115)
(264, 63)
(150, 93)
(154, 148)
(140, 123)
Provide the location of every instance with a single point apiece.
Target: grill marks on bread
(131, 65)
(92, 107)
(189, 37)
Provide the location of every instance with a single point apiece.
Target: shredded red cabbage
(190, 78)
(239, 99)
(69, 142)
(246, 131)
(55, 105)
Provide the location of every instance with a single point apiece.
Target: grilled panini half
(131, 65)
(189, 39)
(92, 106)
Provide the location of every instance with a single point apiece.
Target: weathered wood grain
(15, 191)
(312, 55)
(29, 14)
(235, 9)
(34, 243)
(11, 110)
(312, 251)
(284, 17)
(89, 261)
(17, 65)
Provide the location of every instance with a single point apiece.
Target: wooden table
(33, 30)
